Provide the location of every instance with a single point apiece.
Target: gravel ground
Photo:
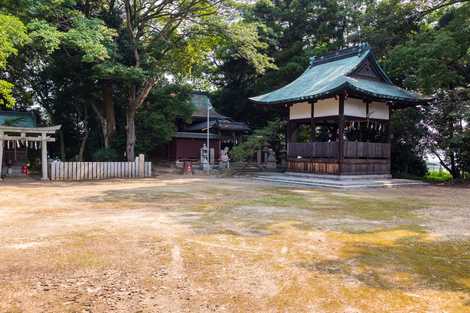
(198, 244)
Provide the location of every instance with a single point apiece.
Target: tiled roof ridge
(339, 54)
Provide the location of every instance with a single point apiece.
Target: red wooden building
(190, 138)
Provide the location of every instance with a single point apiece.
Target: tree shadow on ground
(441, 265)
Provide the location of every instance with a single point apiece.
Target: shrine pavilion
(339, 114)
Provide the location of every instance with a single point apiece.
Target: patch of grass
(333, 204)
(379, 208)
(252, 212)
(442, 265)
(280, 199)
(437, 264)
(438, 177)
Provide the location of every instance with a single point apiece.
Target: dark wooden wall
(352, 150)
(331, 167)
(188, 148)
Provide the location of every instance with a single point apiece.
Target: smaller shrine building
(19, 134)
(189, 138)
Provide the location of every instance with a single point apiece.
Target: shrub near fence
(100, 170)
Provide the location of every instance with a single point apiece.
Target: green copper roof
(17, 119)
(334, 73)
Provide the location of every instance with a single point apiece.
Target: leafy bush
(103, 155)
(438, 176)
(271, 135)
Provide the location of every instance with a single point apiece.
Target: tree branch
(442, 4)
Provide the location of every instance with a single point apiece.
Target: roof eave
(413, 101)
(345, 87)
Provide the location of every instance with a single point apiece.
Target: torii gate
(29, 134)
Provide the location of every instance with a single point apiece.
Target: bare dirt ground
(178, 244)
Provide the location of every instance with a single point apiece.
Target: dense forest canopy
(117, 73)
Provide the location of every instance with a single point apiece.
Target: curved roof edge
(345, 87)
(332, 73)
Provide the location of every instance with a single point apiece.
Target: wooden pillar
(389, 137)
(44, 156)
(367, 120)
(288, 129)
(1, 154)
(341, 133)
(389, 124)
(312, 123)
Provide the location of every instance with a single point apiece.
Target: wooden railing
(313, 150)
(329, 150)
(366, 150)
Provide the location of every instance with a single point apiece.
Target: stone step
(339, 177)
(335, 183)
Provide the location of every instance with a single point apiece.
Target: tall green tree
(293, 31)
(13, 35)
(435, 60)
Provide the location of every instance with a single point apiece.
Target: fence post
(141, 165)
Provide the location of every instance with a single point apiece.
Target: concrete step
(335, 183)
(339, 177)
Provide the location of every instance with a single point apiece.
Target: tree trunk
(62, 145)
(109, 127)
(455, 171)
(106, 114)
(130, 132)
(136, 99)
(82, 147)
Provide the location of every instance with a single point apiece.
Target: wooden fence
(99, 170)
(313, 150)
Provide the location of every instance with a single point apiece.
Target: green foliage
(435, 57)
(272, 135)
(448, 118)
(380, 26)
(12, 36)
(435, 60)
(156, 120)
(290, 33)
(44, 36)
(105, 154)
(408, 145)
(90, 36)
(438, 176)
(242, 43)
(6, 95)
